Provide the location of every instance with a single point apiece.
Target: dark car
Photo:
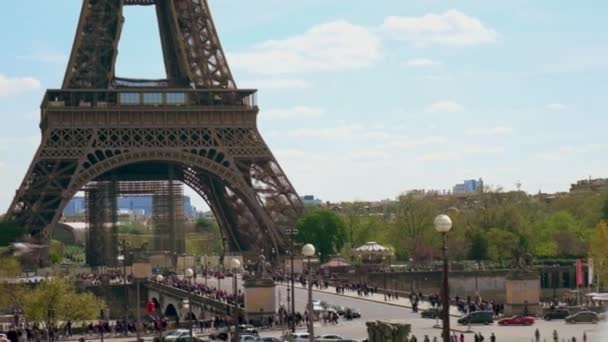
(583, 317)
(478, 317)
(556, 314)
(352, 313)
(430, 313)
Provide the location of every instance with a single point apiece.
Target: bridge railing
(195, 299)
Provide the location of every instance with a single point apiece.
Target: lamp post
(189, 273)
(123, 258)
(384, 278)
(160, 279)
(443, 224)
(308, 251)
(236, 265)
(292, 232)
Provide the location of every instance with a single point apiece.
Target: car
(477, 317)
(517, 320)
(186, 338)
(267, 339)
(352, 313)
(431, 313)
(247, 338)
(173, 335)
(583, 317)
(222, 336)
(329, 337)
(299, 337)
(316, 302)
(340, 309)
(556, 314)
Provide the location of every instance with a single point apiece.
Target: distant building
(133, 205)
(311, 200)
(468, 187)
(590, 185)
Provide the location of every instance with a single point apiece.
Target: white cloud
(277, 83)
(445, 107)
(407, 142)
(567, 151)
(298, 112)
(460, 152)
(491, 131)
(450, 28)
(10, 86)
(330, 46)
(338, 132)
(556, 106)
(421, 63)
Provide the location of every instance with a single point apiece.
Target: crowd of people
(204, 290)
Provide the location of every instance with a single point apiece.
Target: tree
(478, 250)
(599, 252)
(324, 229)
(605, 208)
(60, 296)
(413, 232)
(10, 292)
(11, 232)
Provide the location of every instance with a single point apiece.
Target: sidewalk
(378, 298)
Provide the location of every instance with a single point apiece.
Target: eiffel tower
(195, 127)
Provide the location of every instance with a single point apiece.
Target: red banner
(579, 272)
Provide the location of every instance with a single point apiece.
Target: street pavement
(374, 308)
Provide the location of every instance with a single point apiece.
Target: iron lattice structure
(195, 126)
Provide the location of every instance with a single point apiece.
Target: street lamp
(189, 273)
(160, 279)
(443, 224)
(123, 258)
(309, 251)
(236, 265)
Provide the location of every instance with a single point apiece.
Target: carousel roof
(372, 247)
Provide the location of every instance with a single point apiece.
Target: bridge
(171, 302)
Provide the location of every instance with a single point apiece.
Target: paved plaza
(373, 307)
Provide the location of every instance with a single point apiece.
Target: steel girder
(213, 142)
(192, 50)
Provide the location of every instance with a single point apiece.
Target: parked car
(340, 309)
(583, 317)
(329, 337)
(517, 320)
(247, 338)
(299, 337)
(172, 335)
(478, 317)
(430, 313)
(186, 338)
(267, 339)
(556, 314)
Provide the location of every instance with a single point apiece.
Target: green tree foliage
(478, 249)
(11, 232)
(599, 252)
(204, 224)
(413, 233)
(324, 229)
(61, 296)
(10, 293)
(605, 208)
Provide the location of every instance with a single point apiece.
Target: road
(373, 308)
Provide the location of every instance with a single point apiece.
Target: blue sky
(366, 99)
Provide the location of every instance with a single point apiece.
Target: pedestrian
(426, 338)
(493, 338)
(584, 336)
(537, 335)
(476, 338)
(555, 336)
(413, 339)
(461, 337)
